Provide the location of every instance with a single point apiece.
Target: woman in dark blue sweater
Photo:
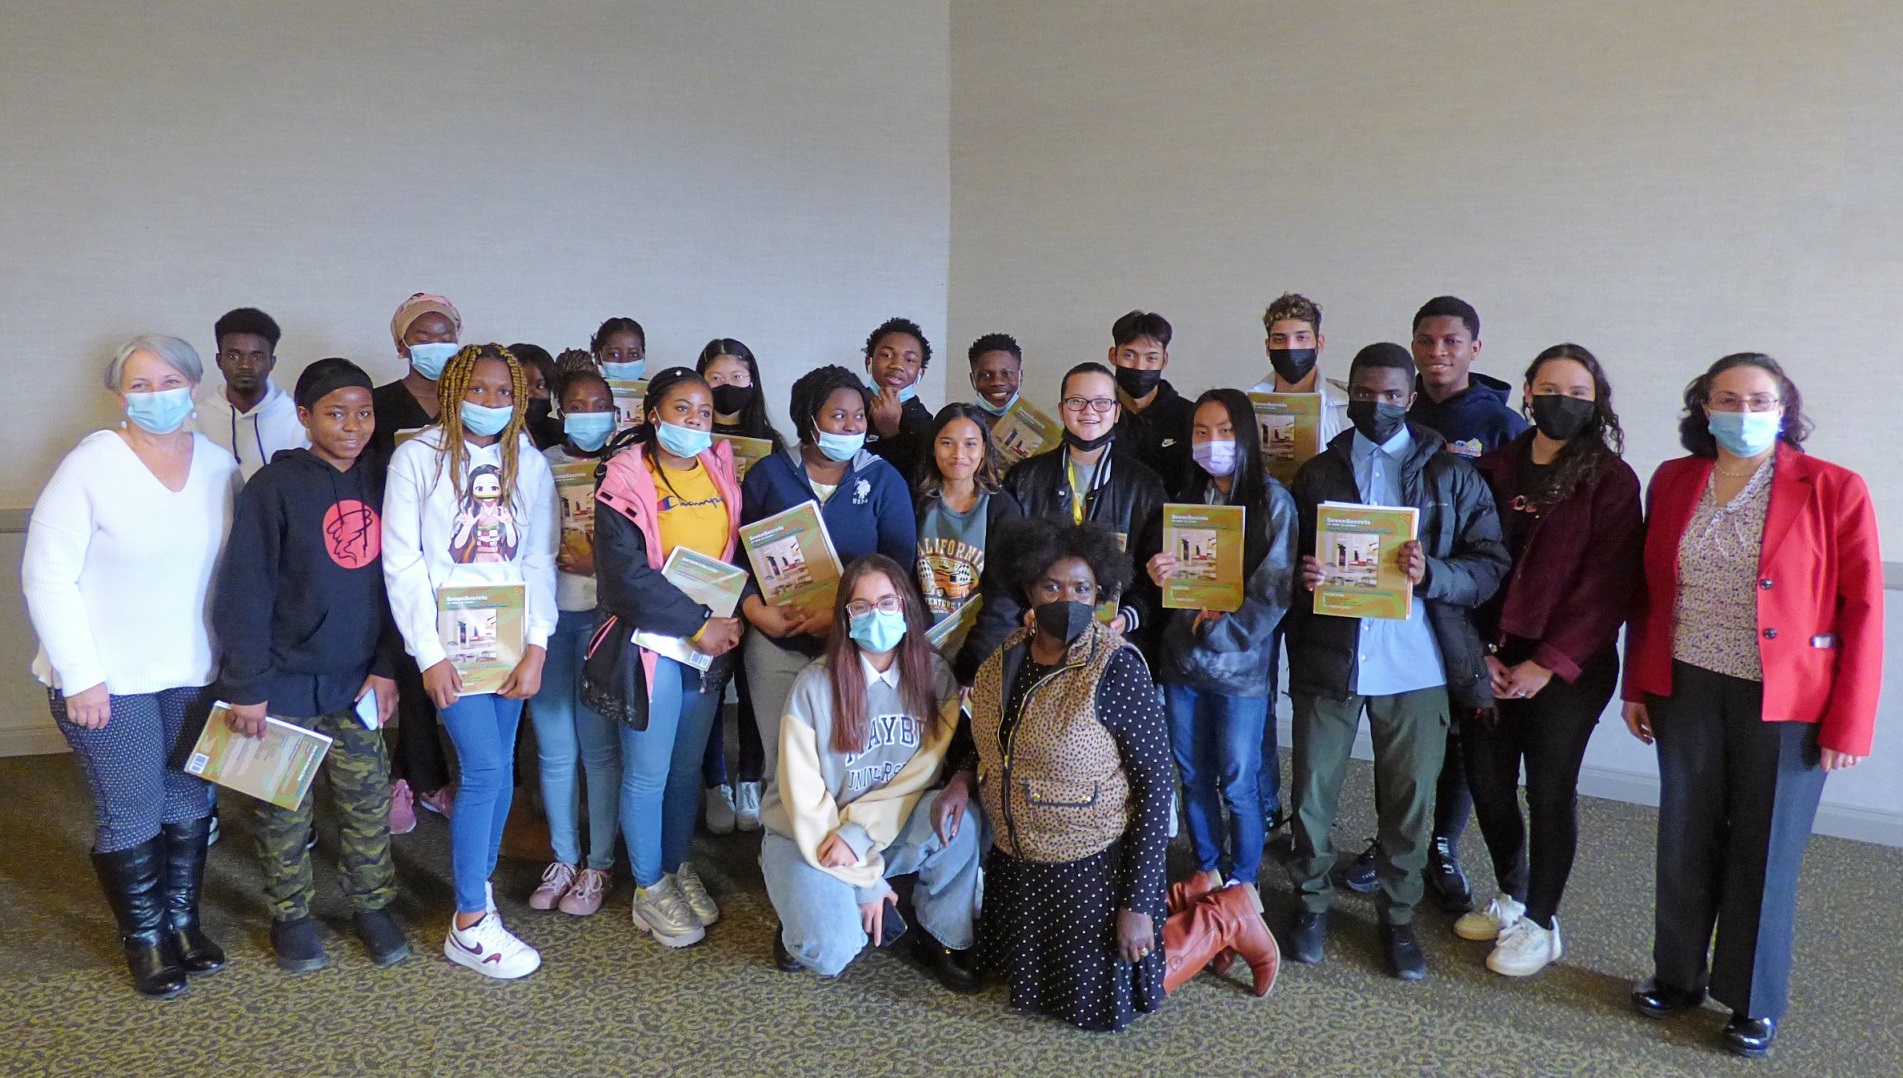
(867, 509)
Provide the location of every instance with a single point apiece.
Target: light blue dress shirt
(1394, 656)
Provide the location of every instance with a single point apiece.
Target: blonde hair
(450, 387)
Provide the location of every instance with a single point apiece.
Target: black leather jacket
(1127, 496)
(1466, 564)
(1235, 654)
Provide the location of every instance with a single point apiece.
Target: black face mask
(1563, 418)
(1292, 364)
(729, 399)
(1064, 619)
(539, 410)
(1098, 442)
(1377, 420)
(1137, 384)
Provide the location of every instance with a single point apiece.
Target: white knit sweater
(118, 569)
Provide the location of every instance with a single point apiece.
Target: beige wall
(769, 171)
(1664, 183)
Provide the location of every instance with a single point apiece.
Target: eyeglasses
(1731, 402)
(890, 604)
(1099, 405)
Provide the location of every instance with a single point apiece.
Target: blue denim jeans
(660, 771)
(568, 732)
(482, 727)
(1217, 741)
(820, 912)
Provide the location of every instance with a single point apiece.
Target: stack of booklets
(708, 581)
(746, 451)
(277, 767)
(1291, 429)
(575, 486)
(1023, 431)
(1206, 541)
(484, 631)
(1359, 548)
(793, 559)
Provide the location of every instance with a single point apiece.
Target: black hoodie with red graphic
(299, 610)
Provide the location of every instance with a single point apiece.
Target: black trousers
(1737, 797)
(419, 749)
(1549, 733)
(1453, 799)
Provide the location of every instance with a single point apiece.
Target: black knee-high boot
(185, 845)
(131, 879)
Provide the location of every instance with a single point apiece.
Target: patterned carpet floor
(609, 1001)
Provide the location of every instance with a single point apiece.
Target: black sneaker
(1308, 937)
(1446, 878)
(381, 936)
(297, 946)
(1281, 844)
(1359, 876)
(1403, 952)
(783, 959)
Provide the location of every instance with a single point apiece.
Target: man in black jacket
(1093, 477)
(1406, 673)
(1153, 419)
(897, 353)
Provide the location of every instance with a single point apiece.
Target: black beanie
(327, 376)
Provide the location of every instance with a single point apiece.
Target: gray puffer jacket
(1235, 654)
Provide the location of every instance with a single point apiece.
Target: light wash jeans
(820, 912)
(482, 727)
(568, 732)
(660, 771)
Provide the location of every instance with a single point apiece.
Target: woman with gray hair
(119, 560)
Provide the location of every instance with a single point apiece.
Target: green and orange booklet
(1359, 547)
(1290, 425)
(1206, 541)
(746, 451)
(277, 767)
(1023, 431)
(628, 393)
(793, 559)
(484, 631)
(575, 487)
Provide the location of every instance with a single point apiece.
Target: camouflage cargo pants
(359, 773)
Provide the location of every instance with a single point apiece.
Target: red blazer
(1820, 595)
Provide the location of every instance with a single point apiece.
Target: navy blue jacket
(1475, 421)
(870, 512)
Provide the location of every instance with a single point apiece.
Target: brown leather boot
(1223, 919)
(1184, 895)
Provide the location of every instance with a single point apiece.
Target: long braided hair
(450, 387)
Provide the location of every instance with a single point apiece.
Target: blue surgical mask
(161, 411)
(624, 372)
(986, 405)
(682, 441)
(588, 430)
(908, 393)
(877, 630)
(429, 357)
(484, 421)
(839, 447)
(1745, 434)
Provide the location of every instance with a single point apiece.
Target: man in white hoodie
(249, 416)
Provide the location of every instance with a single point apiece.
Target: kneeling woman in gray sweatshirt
(862, 741)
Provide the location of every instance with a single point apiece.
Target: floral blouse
(1715, 626)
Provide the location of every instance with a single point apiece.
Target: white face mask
(1217, 457)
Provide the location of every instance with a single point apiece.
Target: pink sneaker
(402, 808)
(556, 880)
(585, 897)
(442, 802)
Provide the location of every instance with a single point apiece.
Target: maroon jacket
(1573, 582)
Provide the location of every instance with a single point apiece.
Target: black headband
(327, 376)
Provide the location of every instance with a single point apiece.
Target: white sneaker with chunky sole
(663, 912)
(1492, 921)
(1526, 949)
(490, 949)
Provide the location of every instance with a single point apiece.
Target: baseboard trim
(32, 741)
(1637, 788)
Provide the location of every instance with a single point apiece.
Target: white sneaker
(746, 806)
(1526, 949)
(662, 911)
(720, 810)
(1490, 923)
(490, 949)
(694, 893)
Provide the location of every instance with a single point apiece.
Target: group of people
(285, 556)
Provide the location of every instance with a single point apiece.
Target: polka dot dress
(1050, 929)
